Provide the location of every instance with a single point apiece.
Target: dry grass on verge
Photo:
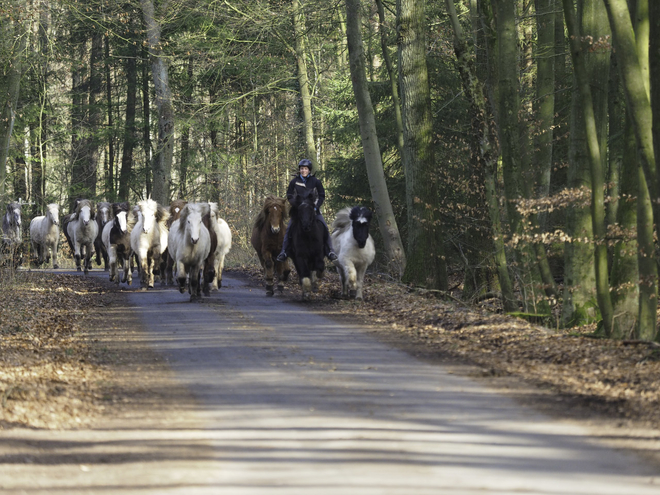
(48, 378)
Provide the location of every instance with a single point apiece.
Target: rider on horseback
(303, 184)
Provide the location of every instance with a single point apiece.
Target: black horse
(307, 243)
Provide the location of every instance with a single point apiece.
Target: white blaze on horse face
(85, 214)
(105, 214)
(121, 220)
(54, 212)
(148, 221)
(17, 215)
(362, 220)
(194, 225)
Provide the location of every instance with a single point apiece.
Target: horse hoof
(280, 289)
(270, 293)
(352, 294)
(55, 267)
(78, 269)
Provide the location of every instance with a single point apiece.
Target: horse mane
(342, 221)
(81, 203)
(161, 214)
(119, 207)
(269, 202)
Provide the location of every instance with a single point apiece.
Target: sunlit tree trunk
(303, 82)
(596, 168)
(384, 212)
(162, 163)
(9, 97)
(426, 264)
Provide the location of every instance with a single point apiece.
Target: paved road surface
(291, 402)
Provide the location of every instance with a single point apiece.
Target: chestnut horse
(267, 236)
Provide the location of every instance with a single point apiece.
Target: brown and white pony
(268, 233)
(149, 238)
(117, 241)
(104, 215)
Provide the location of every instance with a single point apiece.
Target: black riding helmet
(305, 163)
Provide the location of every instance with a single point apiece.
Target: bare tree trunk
(9, 100)
(391, 72)
(129, 124)
(396, 257)
(110, 172)
(303, 81)
(162, 163)
(426, 263)
(485, 136)
(146, 128)
(597, 175)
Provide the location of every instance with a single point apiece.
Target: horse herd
(190, 241)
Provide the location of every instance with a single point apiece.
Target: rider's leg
(285, 244)
(328, 251)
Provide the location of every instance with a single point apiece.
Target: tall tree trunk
(299, 31)
(634, 69)
(596, 167)
(146, 128)
(391, 72)
(91, 141)
(545, 120)
(484, 134)
(162, 163)
(186, 152)
(387, 223)
(130, 137)
(78, 103)
(654, 73)
(9, 99)
(426, 264)
(110, 172)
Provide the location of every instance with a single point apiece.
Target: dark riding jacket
(305, 186)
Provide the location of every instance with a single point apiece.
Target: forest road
(289, 401)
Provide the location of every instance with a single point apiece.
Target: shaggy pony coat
(149, 238)
(83, 229)
(268, 232)
(45, 234)
(354, 247)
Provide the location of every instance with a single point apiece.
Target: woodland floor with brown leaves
(54, 373)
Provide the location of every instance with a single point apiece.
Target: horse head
(103, 213)
(305, 207)
(147, 211)
(274, 211)
(121, 221)
(53, 213)
(191, 220)
(85, 211)
(360, 219)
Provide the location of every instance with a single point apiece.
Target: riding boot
(329, 252)
(284, 254)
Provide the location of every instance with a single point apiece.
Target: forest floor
(55, 371)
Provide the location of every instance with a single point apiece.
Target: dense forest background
(506, 146)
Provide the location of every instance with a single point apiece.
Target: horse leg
(219, 266)
(76, 255)
(194, 276)
(54, 250)
(361, 269)
(150, 272)
(87, 259)
(344, 279)
(112, 255)
(181, 276)
(268, 265)
(351, 275)
(281, 277)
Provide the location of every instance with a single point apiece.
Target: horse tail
(342, 221)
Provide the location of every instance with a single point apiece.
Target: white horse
(189, 244)
(149, 238)
(116, 238)
(223, 235)
(354, 246)
(83, 229)
(45, 234)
